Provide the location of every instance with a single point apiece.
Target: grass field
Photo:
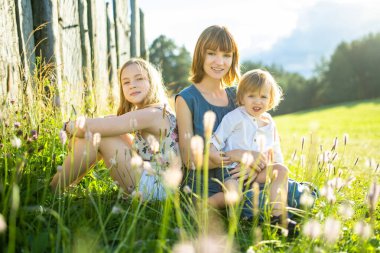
(93, 216)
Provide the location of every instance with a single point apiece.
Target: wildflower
(138, 195)
(250, 250)
(303, 160)
(247, 159)
(373, 196)
(328, 192)
(80, 122)
(63, 136)
(232, 195)
(208, 123)
(335, 144)
(312, 229)
(302, 142)
(3, 224)
(96, 140)
(345, 138)
(16, 142)
(331, 230)
(184, 247)
(197, 146)
(148, 168)
(34, 134)
(307, 200)
(136, 161)
(187, 189)
(153, 144)
(17, 124)
(336, 183)
(345, 210)
(172, 178)
(363, 230)
(88, 136)
(116, 210)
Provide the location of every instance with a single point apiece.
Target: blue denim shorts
(213, 186)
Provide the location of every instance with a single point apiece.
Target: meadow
(335, 148)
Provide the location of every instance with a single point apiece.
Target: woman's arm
(148, 119)
(185, 130)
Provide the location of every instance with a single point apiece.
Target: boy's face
(217, 63)
(257, 102)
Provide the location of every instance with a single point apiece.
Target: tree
(173, 61)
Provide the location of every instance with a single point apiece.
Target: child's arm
(144, 119)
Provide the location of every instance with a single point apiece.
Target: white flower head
(149, 169)
(172, 177)
(373, 195)
(208, 122)
(63, 137)
(331, 230)
(363, 230)
(116, 210)
(80, 122)
(346, 211)
(197, 146)
(153, 143)
(187, 189)
(328, 192)
(307, 200)
(312, 229)
(247, 159)
(96, 140)
(16, 142)
(136, 161)
(3, 224)
(184, 247)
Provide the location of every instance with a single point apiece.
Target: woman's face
(217, 63)
(135, 84)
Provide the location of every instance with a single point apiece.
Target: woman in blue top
(214, 69)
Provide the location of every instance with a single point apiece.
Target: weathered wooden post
(112, 59)
(135, 31)
(143, 50)
(9, 54)
(122, 31)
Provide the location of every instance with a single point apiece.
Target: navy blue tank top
(198, 106)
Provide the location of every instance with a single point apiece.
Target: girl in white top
(250, 127)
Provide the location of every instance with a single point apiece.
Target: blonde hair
(156, 94)
(254, 80)
(213, 38)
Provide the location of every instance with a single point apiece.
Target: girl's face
(257, 102)
(217, 63)
(135, 84)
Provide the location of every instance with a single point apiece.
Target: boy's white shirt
(239, 130)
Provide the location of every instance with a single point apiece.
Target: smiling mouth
(256, 109)
(135, 93)
(217, 69)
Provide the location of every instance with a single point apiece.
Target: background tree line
(352, 73)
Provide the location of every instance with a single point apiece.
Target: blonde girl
(135, 144)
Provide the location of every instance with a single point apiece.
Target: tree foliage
(173, 61)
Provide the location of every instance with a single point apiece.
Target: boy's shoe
(291, 225)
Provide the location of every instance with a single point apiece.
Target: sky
(295, 34)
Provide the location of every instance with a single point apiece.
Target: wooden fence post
(135, 31)
(143, 50)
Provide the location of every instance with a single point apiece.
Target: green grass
(93, 216)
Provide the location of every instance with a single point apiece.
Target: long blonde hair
(213, 38)
(156, 94)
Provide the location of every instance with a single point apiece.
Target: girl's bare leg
(117, 156)
(76, 164)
